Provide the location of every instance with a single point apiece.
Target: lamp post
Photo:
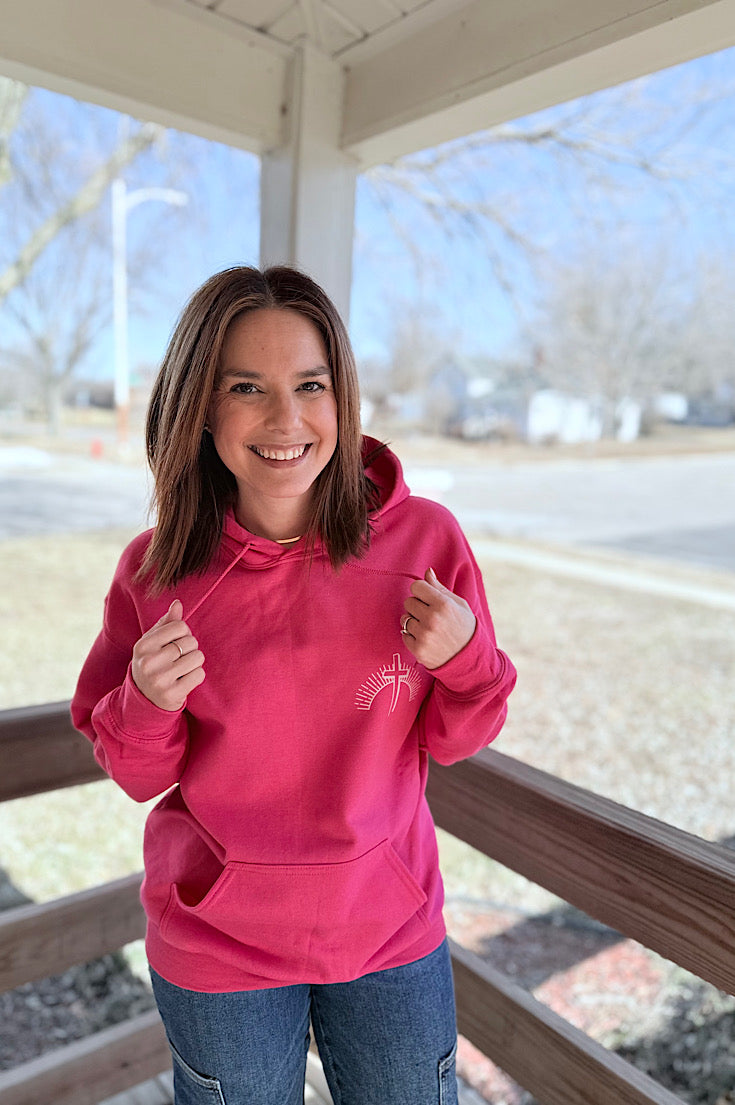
(122, 203)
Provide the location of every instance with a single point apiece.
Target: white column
(120, 308)
(307, 190)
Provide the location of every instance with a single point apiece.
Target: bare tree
(12, 97)
(55, 286)
(628, 319)
(706, 366)
(515, 195)
(68, 206)
(57, 316)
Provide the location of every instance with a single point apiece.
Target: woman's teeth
(279, 454)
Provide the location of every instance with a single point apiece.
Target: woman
(281, 655)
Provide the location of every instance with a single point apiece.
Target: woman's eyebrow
(248, 374)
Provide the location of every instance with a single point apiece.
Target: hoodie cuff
(135, 717)
(475, 669)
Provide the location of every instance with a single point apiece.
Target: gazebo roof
(409, 73)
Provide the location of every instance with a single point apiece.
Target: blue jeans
(388, 1038)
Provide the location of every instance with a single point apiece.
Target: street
(676, 507)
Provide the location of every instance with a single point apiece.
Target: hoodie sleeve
(467, 705)
(142, 747)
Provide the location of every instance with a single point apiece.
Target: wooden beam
(89, 1070)
(40, 750)
(671, 891)
(543, 1052)
(37, 941)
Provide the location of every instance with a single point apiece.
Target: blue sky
(552, 200)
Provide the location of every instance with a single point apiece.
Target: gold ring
(404, 622)
(181, 651)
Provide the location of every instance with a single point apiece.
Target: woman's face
(273, 417)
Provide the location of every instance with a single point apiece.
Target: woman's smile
(280, 454)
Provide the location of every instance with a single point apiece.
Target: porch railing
(672, 892)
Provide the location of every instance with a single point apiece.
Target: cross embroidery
(393, 675)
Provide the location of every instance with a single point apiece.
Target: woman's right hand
(167, 664)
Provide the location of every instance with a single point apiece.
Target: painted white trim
(457, 78)
(145, 59)
(307, 192)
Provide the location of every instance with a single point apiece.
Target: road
(677, 507)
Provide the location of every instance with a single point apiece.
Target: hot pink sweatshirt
(294, 842)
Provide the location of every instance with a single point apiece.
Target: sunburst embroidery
(393, 675)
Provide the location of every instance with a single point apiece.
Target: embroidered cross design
(394, 675)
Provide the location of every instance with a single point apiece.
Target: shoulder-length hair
(192, 487)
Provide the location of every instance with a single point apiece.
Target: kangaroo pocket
(300, 922)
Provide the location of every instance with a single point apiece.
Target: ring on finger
(404, 622)
(181, 651)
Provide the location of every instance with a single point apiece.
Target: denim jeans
(388, 1038)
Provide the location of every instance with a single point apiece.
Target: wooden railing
(670, 891)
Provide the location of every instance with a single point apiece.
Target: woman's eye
(313, 387)
(245, 388)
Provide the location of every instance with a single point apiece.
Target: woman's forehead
(273, 342)
(271, 326)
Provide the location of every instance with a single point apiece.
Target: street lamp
(122, 203)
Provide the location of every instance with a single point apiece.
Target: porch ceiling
(412, 72)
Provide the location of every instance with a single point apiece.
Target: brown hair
(193, 488)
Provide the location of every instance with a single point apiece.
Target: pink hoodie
(294, 843)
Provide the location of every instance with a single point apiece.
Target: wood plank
(89, 1070)
(156, 1091)
(41, 940)
(543, 1052)
(40, 750)
(671, 891)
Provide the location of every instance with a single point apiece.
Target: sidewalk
(633, 573)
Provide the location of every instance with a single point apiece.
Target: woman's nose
(283, 412)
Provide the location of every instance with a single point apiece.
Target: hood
(257, 553)
(384, 469)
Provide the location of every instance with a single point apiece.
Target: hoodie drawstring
(217, 581)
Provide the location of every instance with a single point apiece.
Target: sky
(560, 203)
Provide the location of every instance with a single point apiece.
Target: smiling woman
(246, 322)
(291, 867)
(273, 418)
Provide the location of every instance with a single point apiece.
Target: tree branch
(12, 97)
(86, 199)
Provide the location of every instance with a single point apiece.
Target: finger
(182, 646)
(424, 592)
(417, 609)
(171, 620)
(173, 614)
(431, 578)
(175, 696)
(158, 636)
(188, 663)
(407, 621)
(429, 594)
(187, 683)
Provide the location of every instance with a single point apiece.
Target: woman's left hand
(437, 623)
